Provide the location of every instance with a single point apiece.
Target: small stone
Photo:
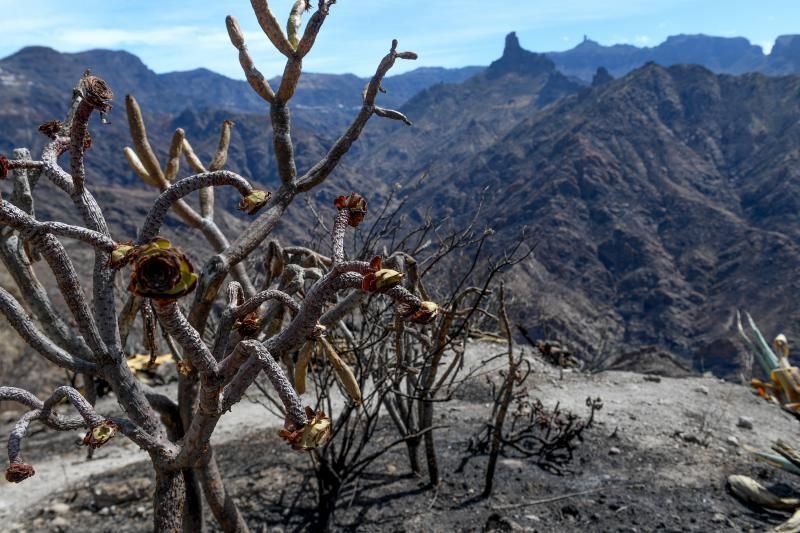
(745, 422)
(59, 521)
(391, 469)
(59, 508)
(105, 511)
(718, 517)
(702, 389)
(141, 509)
(614, 451)
(651, 378)
(733, 441)
(694, 438)
(571, 511)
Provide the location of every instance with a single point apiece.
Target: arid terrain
(656, 190)
(656, 460)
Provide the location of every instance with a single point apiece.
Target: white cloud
(116, 37)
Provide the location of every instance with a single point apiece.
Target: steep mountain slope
(454, 121)
(660, 203)
(730, 55)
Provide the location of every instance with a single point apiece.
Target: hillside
(656, 459)
(659, 203)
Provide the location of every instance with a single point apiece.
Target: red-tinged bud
(120, 255)
(3, 167)
(313, 435)
(254, 201)
(376, 263)
(100, 434)
(424, 314)
(381, 281)
(18, 472)
(51, 128)
(356, 206)
(249, 326)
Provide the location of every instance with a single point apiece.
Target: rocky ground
(656, 460)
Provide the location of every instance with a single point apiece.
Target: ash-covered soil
(656, 460)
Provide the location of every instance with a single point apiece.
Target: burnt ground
(656, 460)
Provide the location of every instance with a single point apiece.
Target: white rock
(733, 441)
(59, 521)
(59, 508)
(614, 451)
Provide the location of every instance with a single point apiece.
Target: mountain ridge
(654, 195)
(729, 55)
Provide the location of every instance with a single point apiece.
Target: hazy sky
(181, 35)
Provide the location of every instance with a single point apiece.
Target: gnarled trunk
(168, 501)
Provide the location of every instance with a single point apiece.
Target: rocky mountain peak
(787, 45)
(516, 59)
(601, 77)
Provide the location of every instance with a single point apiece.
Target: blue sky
(181, 35)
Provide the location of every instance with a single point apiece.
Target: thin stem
(184, 187)
(19, 320)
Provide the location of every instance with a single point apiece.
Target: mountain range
(729, 55)
(659, 202)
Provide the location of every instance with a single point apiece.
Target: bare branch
(140, 143)
(184, 187)
(282, 141)
(174, 161)
(313, 27)
(69, 285)
(20, 321)
(392, 114)
(51, 168)
(255, 302)
(191, 157)
(256, 80)
(14, 394)
(37, 299)
(321, 170)
(337, 235)
(269, 24)
(179, 328)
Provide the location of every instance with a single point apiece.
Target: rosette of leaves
(96, 91)
(160, 271)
